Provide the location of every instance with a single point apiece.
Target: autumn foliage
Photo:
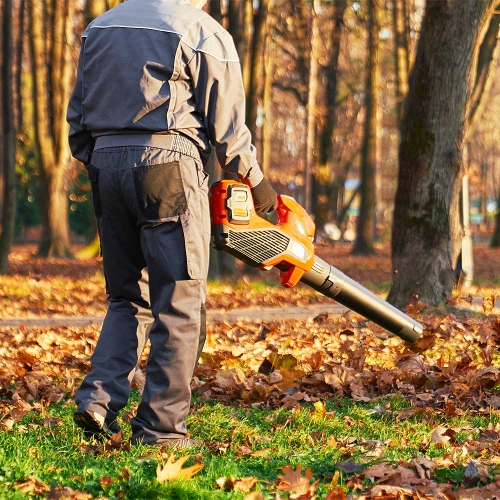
(290, 367)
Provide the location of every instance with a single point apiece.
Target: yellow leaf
(319, 409)
(173, 470)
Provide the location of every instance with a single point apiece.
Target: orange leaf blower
(288, 246)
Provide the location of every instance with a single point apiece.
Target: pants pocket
(93, 174)
(160, 191)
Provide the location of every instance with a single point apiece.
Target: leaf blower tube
(287, 245)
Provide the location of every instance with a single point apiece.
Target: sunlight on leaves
(173, 469)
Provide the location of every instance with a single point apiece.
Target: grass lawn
(338, 443)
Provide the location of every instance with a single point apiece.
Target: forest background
(382, 118)
(339, 123)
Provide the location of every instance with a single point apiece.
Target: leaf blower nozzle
(287, 245)
(335, 284)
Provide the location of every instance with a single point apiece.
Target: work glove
(265, 198)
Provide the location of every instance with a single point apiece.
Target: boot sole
(91, 427)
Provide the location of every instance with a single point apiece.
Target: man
(158, 82)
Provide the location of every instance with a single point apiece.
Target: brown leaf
(412, 362)
(293, 482)
(315, 361)
(380, 489)
(254, 496)
(106, 481)
(442, 437)
(32, 485)
(380, 471)
(414, 306)
(173, 469)
(245, 484)
(489, 304)
(59, 493)
(290, 401)
(336, 494)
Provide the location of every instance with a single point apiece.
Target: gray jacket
(161, 66)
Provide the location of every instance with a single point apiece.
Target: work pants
(152, 207)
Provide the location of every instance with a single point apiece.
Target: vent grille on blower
(258, 246)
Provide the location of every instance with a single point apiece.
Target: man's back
(134, 72)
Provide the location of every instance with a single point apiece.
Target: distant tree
(495, 240)
(330, 71)
(426, 235)
(94, 8)
(313, 90)
(8, 138)
(401, 53)
(52, 70)
(256, 65)
(19, 50)
(365, 237)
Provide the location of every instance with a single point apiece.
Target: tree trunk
(254, 89)
(19, 66)
(426, 229)
(51, 89)
(214, 9)
(401, 57)
(248, 35)
(236, 23)
(113, 3)
(8, 139)
(365, 237)
(488, 56)
(269, 67)
(326, 149)
(94, 8)
(495, 240)
(311, 103)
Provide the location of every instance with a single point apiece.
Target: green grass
(56, 455)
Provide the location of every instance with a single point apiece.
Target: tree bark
(401, 57)
(8, 139)
(94, 8)
(331, 72)
(365, 237)
(236, 23)
(495, 240)
(269, 66)
(311, 104)
(426, 229)
(19, 65)
(488, 56)
(51, 86)
(254, 90)
(214, 9)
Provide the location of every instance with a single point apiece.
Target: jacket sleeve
(220, 100)
(81, 141)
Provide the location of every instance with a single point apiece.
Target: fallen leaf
(488, 304)
(32, 485)
(471, 475)
(293, 482)
(106, 481)
(59, 493)
(173, 469)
